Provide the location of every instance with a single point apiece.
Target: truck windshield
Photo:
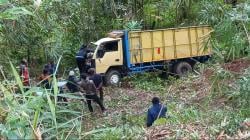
(107, 47)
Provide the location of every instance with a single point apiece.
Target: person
(88, 60)
(50, 67)
(157, 110)
(81, 57)
(72, 82)
(97, 79)
(24, 72)
(45, 79)
(90, 89)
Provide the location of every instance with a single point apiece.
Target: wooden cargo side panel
(200, 33)
(135, 47)
(194, 41)
(169, 44)
(146, 40)
(182, 43)
(208, 45)
(157, 45)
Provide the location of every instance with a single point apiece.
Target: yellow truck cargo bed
(169, 44)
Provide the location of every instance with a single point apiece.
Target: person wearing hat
(72, 82)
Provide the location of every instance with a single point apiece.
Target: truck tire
(182, 68)
(113, 77)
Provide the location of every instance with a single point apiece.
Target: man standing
(80, 58)
(97, 79)
(90, 89)
(157, 110)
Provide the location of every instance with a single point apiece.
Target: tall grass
(27, 115)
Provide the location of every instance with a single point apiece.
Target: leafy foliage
(240, 98)
(133, 25)
(27, 112)
(230, 28)
(123, 132)
(142, 82)
(47, 29)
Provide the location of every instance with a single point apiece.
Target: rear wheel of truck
(113, 77)
(182, 68)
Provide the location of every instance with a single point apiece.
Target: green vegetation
(213, 102)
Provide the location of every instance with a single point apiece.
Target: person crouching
(156, 111)
(72, 82)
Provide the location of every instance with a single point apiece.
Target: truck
(175, 50)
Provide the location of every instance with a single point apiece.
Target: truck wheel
(182, 68)
(113, 77)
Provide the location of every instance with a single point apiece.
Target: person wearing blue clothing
(157, 110)
(50, 67)
(81, 57)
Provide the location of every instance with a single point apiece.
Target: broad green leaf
(52, 108)
(71, 96)
(6, 92)
(62, 125)
(55, 86)
(160, 121)
(69, 111)
(17, 77)
(2, 2)
(14, 13)
(18, 11)
(36, 117)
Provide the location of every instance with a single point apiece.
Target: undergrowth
(224, 108)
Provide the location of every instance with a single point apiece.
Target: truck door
(108, 54)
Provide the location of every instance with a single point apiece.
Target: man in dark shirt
(97, 79)
(50, 67)
(90, 89)
(81, 57)
(157, 110)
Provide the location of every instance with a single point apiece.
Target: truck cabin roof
(107, 39)
(112, 36)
